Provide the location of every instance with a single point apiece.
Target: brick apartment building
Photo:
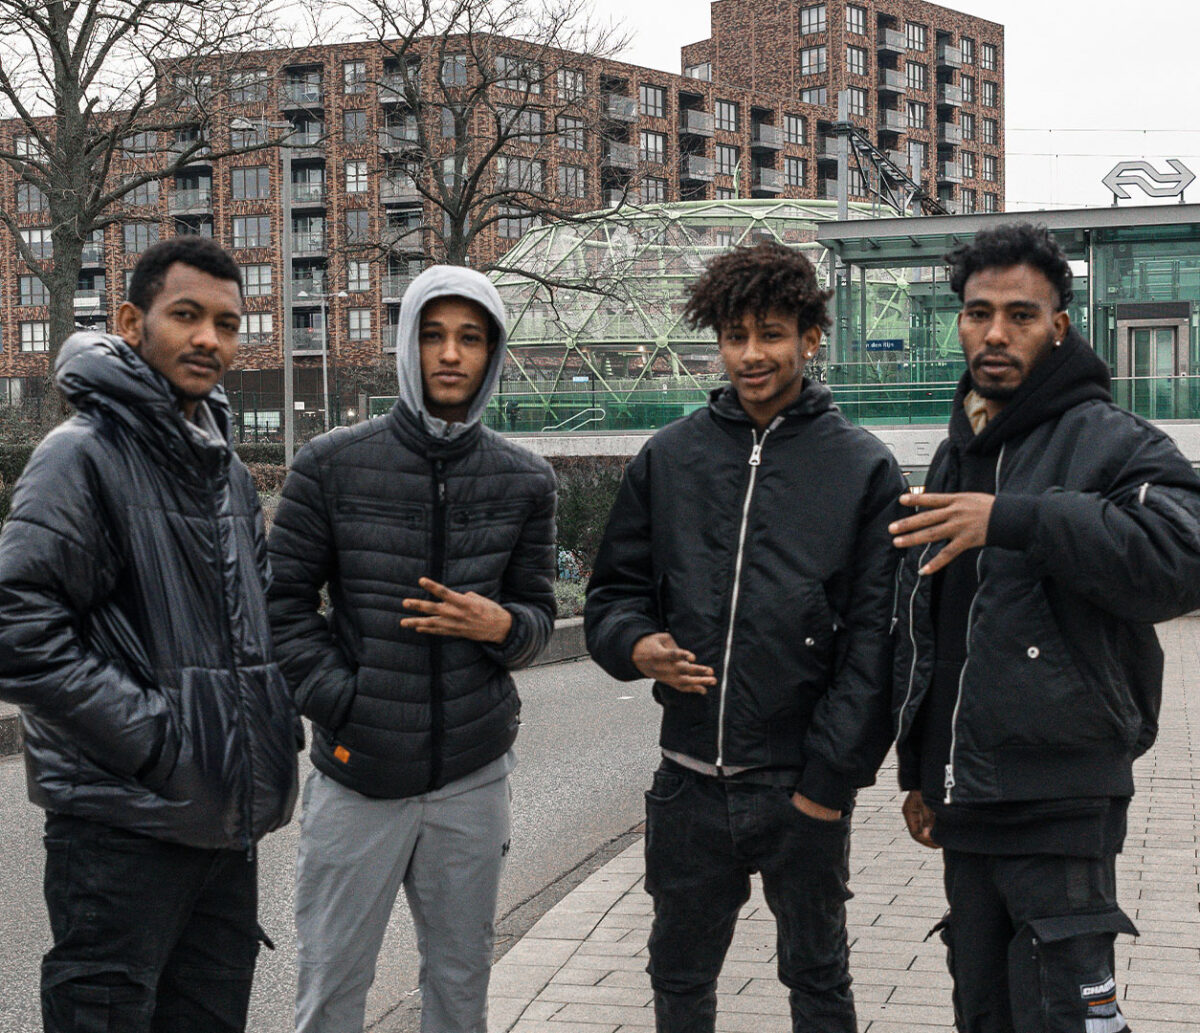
(749, 116)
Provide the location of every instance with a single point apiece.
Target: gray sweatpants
(447, 849)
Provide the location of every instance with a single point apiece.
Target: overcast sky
(1088, 85)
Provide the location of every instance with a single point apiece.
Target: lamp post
(324, 298)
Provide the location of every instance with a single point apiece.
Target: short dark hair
(1020, 243)
(201, 253)
(757, 279)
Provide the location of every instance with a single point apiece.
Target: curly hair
(757, 279)
(201, 253)
(1020, 243)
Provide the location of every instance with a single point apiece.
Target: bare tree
(108, 96)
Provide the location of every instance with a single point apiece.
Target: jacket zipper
(962, 674)
(437, 728)
(912, 637)
(755, 460)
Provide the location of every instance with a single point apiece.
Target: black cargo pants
(1030, 943)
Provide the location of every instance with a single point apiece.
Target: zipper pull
(441, 492)
(756, 451)
(949, 781)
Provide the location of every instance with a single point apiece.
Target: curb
(566, 644)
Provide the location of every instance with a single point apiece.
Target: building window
(522, 123)
(30, 147)
(653, 190)
(358, 276)
(518, 73)
(251, 231)
(571, 84)
(356, 177)
(35, 336)
(814, 95)
(856, 61)
(139, 236)
(572, 181)
(812, 19)
(813, 60)
(354, 126)
(449, 131)
(987, 61)
(653, 100)
(250, 135)
(988, 94)
(967, 199)
(514, 221)
(701, 71)
(966, 84)
(521, 174)
(856, 19)
(989, 168)
(966, 122)
(990, 202)
(991, 132)
(360, 324)
(793, 129)
(725, 194)
(136, 145)
(793, 172)
(967, 159)
(249, 86)
(916, 156)
(726, 112)
(256, 280)
(967, 46)
(31, 199)
(354, 76)
(33, 291)
(914, 36)
(914, 75)
(454, 70)
(143, 194)
(727, 158)
(917, 114)
(570, 133)
(858, 101)
(358, 223)
(38, 241)
(250, 184)
(258, 327)
(653, 146)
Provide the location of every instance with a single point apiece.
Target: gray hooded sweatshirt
(441, 281)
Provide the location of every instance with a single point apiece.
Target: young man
(435, 538)
(746, 569)
(1054, 530)
(159, 734)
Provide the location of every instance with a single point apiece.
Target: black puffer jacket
(1094, 536)
(803, 670)
(370, 510)
(133, 628)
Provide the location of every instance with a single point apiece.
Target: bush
(265, 452)
(12, 461)
(587, 488)
(569, 595)
(268, 477)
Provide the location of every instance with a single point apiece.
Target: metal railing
(190, 200)
(577, 421)
(697, 123)
(766, 136)
(619, 108)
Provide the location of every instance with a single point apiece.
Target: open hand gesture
(458, 614)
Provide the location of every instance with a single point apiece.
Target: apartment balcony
(391, 90)
(313, 286)
(892, 80)
(308, 244)
(93, 255)
(950, 96)
(306, 145)
(619, 155)
(949, 56)
(697, 123)
(827, 188)
(695, 168)
(402, 137)
(614, 197)
(301, 95)
(402, 238)
(307, 195)
(766, 181)
(892, 121)
(308, 340)
(949, 172)
(199, 156)
(620, 108)
(394, 285)
(89, 301)
(397, 190)
(949, 133)
(766, 138)
(898, 158)
(891, 41)
(190, 200)
(827, 148)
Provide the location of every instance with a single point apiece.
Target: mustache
(201, 359)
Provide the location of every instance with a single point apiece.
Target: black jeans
(149, 936)
(1030, 943)
(704, 838)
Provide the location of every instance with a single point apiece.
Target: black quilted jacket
(133, 628)
(369, 510)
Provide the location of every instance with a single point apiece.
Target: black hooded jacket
(133, 621)
(767, 555)
(1094, 536)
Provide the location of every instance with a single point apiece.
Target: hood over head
(442, 281)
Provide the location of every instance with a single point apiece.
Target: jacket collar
(814, 399)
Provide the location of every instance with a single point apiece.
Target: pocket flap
(1063, 927)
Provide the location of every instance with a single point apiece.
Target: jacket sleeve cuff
(521, 647)
(821, 784)
(1013, 520)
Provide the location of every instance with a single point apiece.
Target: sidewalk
(581, 968)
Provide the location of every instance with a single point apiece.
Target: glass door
(1152, 366)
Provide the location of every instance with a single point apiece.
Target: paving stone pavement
(581, 968)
